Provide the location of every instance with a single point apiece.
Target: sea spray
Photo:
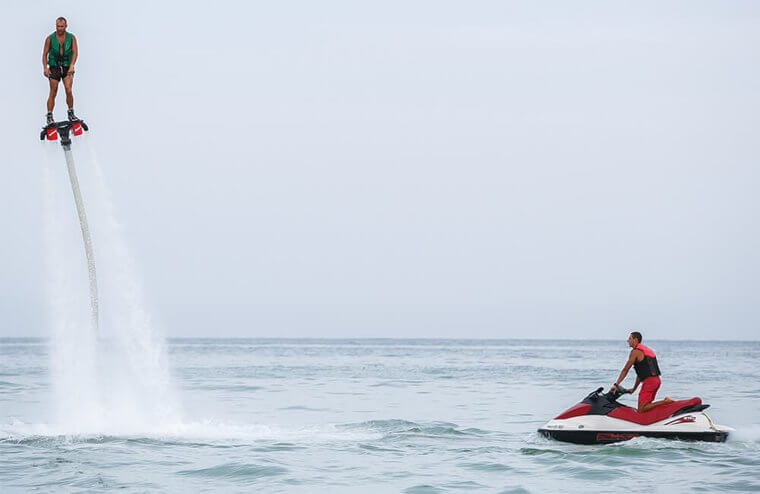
(119, 382)
(746, 434)
(138, 346)
(73, 365)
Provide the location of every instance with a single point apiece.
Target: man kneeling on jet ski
(644, 361)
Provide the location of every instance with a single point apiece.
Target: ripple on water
(303, 408)
(378, 449)
(397, 427)
(422, 489)
(514, 490)
(278, 447)
(464, 486)
(237, 471)
(10, 386)
(487, 467)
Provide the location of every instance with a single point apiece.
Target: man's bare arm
(626, 368)
(74, 53)
(45, 50)
(636, 384)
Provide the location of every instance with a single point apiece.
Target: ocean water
(410, 416)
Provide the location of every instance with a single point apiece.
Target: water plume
(117, 380)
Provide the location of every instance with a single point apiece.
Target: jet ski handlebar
(620, 391)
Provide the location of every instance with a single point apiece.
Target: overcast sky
(404, 169)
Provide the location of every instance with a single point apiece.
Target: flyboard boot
(65, 128)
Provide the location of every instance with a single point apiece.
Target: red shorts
(649, 389)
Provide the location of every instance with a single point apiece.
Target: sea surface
(386, 415)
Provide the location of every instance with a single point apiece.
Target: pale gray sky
(422, 169)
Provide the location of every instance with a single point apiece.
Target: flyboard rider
(644, 361)
(59, 55)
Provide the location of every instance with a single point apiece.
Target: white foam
(746, 434)
(206, 431)
(122, 380)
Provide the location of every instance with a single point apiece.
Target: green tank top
(55, 57)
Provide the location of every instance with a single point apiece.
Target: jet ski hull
(607, 437)
(600, 419)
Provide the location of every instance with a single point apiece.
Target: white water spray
(118, 383)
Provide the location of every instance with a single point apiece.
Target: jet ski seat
(655, 415)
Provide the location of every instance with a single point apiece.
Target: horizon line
(403, 338)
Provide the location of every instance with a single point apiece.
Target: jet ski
(600, 419)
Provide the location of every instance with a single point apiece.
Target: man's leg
(68, 81)
(654, 404)
(51, 96)
(649, 389)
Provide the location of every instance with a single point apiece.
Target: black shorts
(58, 73)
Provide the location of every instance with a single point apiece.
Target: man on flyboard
(58, 58)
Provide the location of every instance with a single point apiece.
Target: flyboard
(64, 129)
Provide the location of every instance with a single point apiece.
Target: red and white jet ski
(600, 419)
